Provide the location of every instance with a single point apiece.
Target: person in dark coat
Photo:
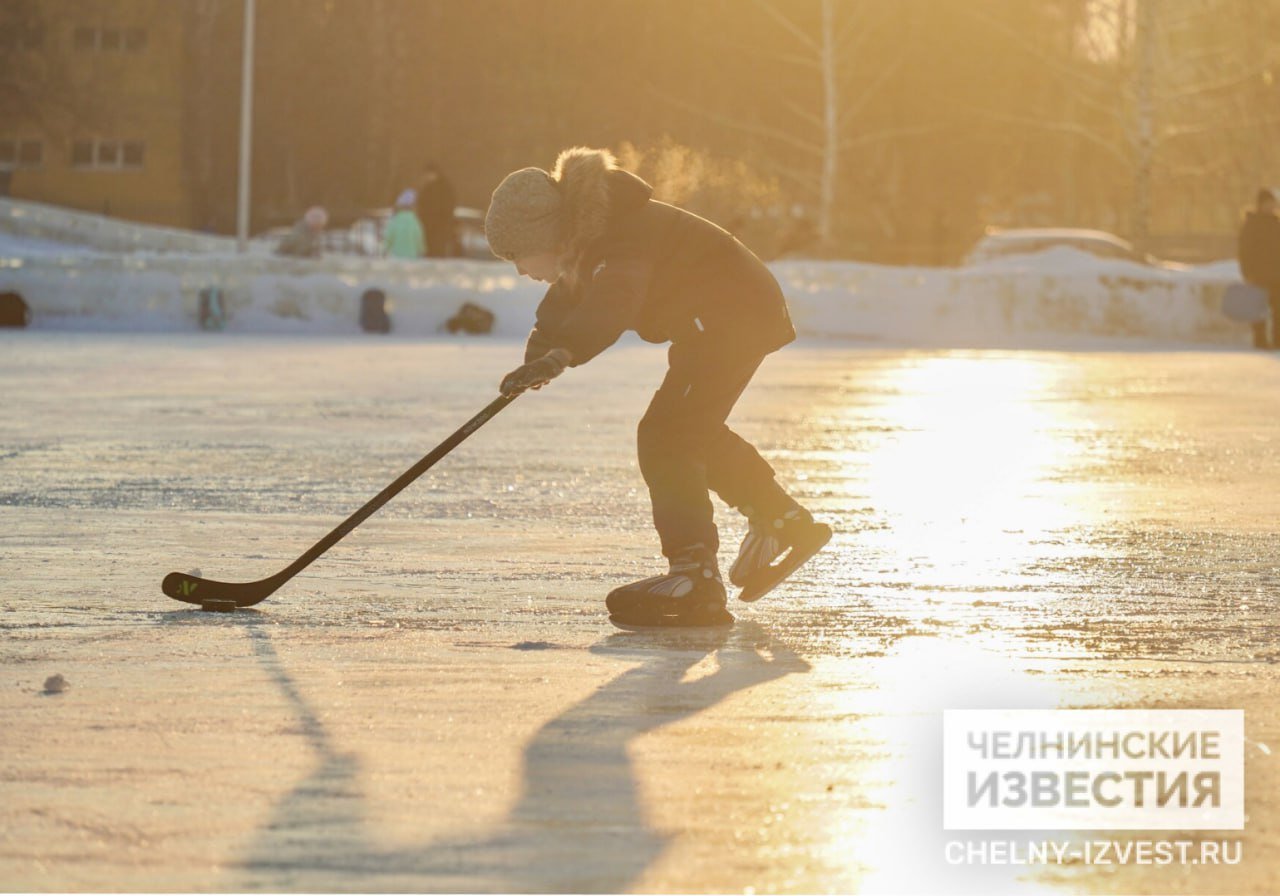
(1259, 253)
(436, 202)
(617, 260)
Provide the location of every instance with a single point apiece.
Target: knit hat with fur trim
(524, 215)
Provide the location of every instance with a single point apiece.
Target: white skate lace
(761, 546)
(679, 579)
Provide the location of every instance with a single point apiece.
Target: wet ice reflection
(967, 474)
(891, 840)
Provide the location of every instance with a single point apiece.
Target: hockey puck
(218, 606)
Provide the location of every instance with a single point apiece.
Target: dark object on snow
(14, 311)
(213, 315)
(1245, 303)
(471, 319)
(55, 684)
(373, 312)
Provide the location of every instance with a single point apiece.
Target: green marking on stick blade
(188, 587)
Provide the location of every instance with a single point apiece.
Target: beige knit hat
(524, 215)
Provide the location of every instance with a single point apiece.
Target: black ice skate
(690, 594)
(774, 549)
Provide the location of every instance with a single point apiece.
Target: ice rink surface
(439, 704)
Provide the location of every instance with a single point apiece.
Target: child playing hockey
(619, 260)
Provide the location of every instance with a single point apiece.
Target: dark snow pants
(686, 448)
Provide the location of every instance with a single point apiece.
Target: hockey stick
(195, 590)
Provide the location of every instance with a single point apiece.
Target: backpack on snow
(471, 319)
(213, 315)
(14, 311)
(373, 312)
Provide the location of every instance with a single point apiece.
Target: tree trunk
(1144, 121)
(831, 126)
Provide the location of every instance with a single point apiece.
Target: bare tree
(1168, 95)
(830, 84)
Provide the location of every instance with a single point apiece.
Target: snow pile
(1057, 297)
(1030, 299)
(264, 294)
(36, 220)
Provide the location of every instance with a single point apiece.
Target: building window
(108, 155)
(30, 154)
(82, 154)
(14, 38)
(21, 154)
(110, 40)
(133, 153)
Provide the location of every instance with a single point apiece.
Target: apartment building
(102, 127)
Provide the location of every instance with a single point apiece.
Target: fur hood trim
(582, 174)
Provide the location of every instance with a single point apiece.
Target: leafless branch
(757, 130)
(796, 31)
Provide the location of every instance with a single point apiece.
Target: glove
(536, 374)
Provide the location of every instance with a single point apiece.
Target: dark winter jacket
(436, 200)
(1259, 250)
(639, 264)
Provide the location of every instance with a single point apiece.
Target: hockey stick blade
(196, 590)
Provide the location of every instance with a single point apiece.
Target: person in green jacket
(404, 231)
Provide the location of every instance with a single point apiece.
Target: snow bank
(265, 294)
(20, 218)
(1033, 299)
(1058, 297)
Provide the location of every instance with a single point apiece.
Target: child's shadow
(578, 825)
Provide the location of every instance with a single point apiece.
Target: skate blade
(628, 604)
(673, 623)
(771, 577)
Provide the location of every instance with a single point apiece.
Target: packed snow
(73, 270)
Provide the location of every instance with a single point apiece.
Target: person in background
(436, 201)
(404, 232)
(1259, 253)
(304, 241)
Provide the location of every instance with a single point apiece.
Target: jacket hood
(593, 189)
(627, 191)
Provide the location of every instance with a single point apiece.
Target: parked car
(1000, 242)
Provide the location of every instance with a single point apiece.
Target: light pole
(246, 130)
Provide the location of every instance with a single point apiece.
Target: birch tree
(822, 45)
